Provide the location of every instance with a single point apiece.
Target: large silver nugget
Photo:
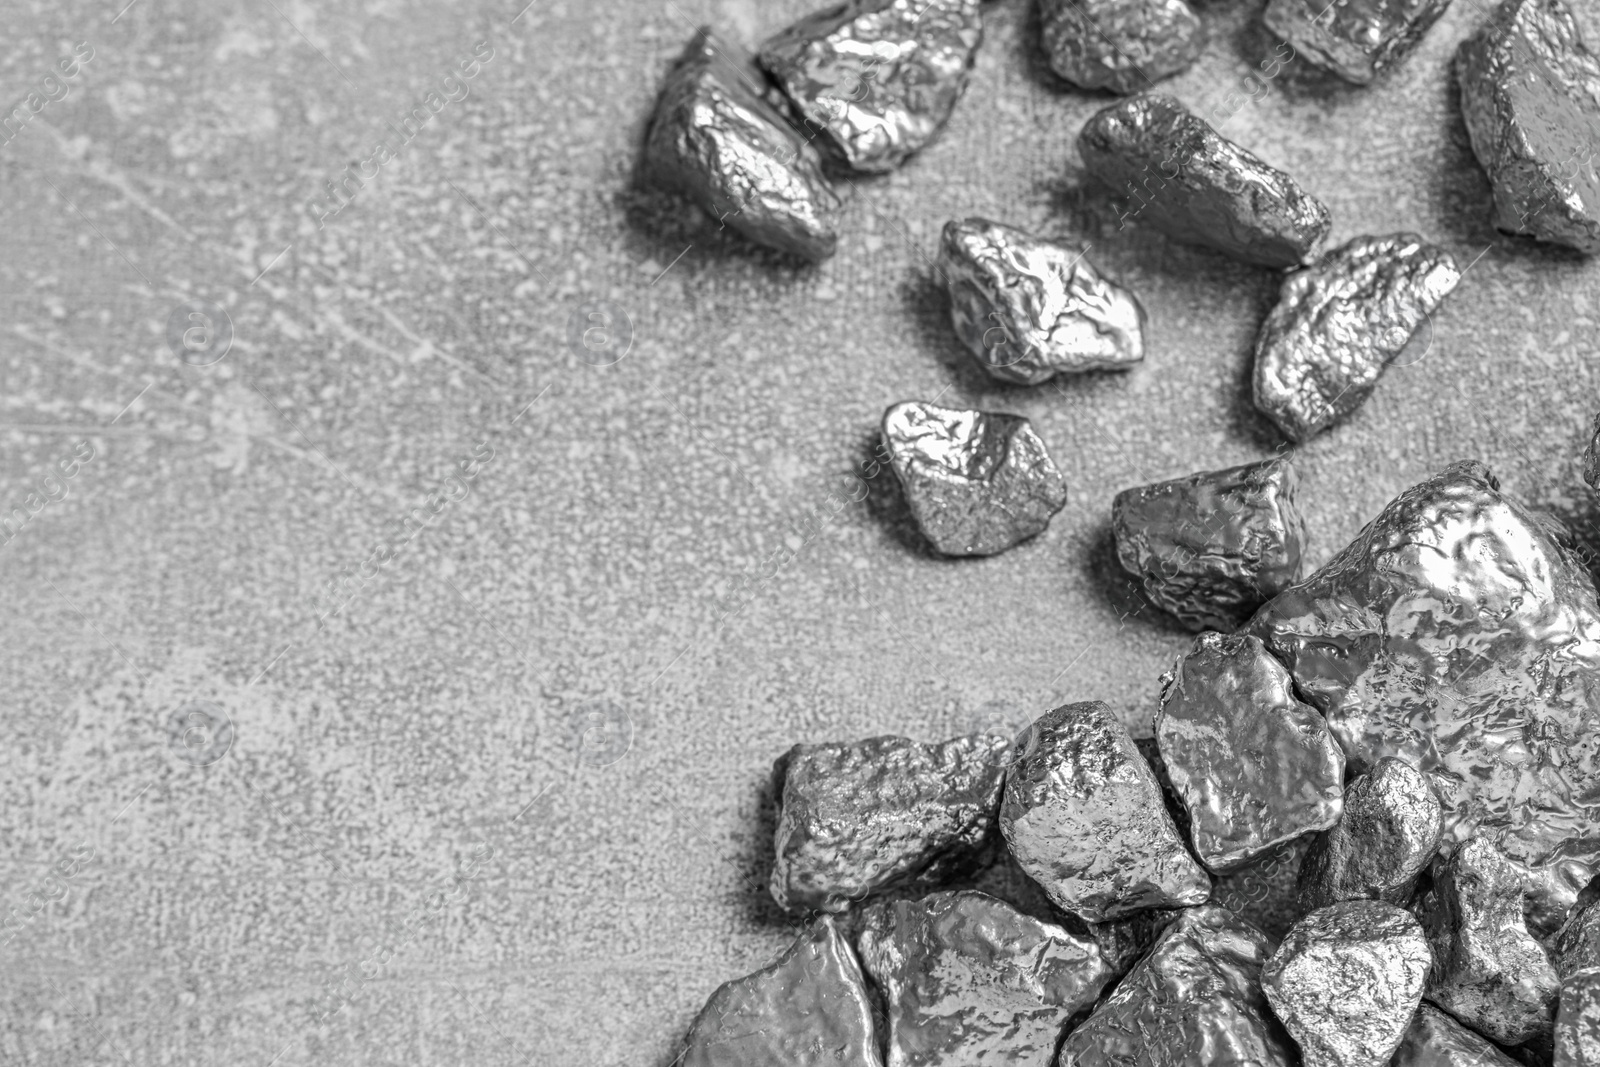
(972, 982)
(856, 818)
(1436, 1040)
(714, 140)
(878, 77)
(1388, 832)
(1030, 309)
(1121, 45)
(1199, 187)
(1577, 1033)
(1084, 817)
(1457, 633)
(808, 1009)
(976, 482)
(1195, 999)
(1212, 547)
(1338, 323)
(1346, 980)
(1355, 39)
(1530, 94)
(1253, 766)
(1488, 970)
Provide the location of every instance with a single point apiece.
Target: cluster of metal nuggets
(1414, 724)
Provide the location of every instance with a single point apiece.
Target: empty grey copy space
(419, 542)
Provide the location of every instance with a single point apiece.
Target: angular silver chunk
(1346, 980)
(1339, 322)
(1530, 94)
(977, 482)
(1253, 766)
(1459, 634)
(1388, 832)
(859, 817)
(1355, 39)
(1488, 970)
(1214, 546)
(1436, 1040)
(879, 78)
(1199, 187)
(1577, 946)
(1121, 45)
(972, 982)
(1083, 815)
(1195, 999)
(1030, 309)
(716, 141)
(808, 1009)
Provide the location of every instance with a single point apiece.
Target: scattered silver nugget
(879, 78)
(1195, 999)
(1339, 322)
(1212, 547)
(1120, 45)
(1030, 309)
(1355, 39)
(1434, 1039)
(977, 483)
(1488, 970)
(808, 1009)
(1253, 766)
(714, 140)
(1530, 94)
(971, 981)
(1083, 815)
(1188, 180)
(1346, 980)
(1388, 832)
(855, 818)
(1577, 1033)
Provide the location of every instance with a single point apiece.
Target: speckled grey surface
(350, 882)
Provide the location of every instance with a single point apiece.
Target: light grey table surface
(407, 856)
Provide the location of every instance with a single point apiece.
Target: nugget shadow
(925, 297)
(755, 865)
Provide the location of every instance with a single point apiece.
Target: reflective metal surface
(1195, 999)
(1488, 970)
(1577, 947)
(1355, 39)
(1185, 178)
(1030, 309)
(1212, 547)
(1388, 832)
(810, 1007)
(1456, 633)
(879, 78)
(1339, 322)
(716, 141)
(1253, 766)
(1530, 94)
(854, 818)
(972, 982)
(1591, 457)
(1083, 815)
(1346, 980)
(1434, 1039)
(1121, 45)
(976, 482)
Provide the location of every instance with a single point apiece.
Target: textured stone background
(408, 855)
